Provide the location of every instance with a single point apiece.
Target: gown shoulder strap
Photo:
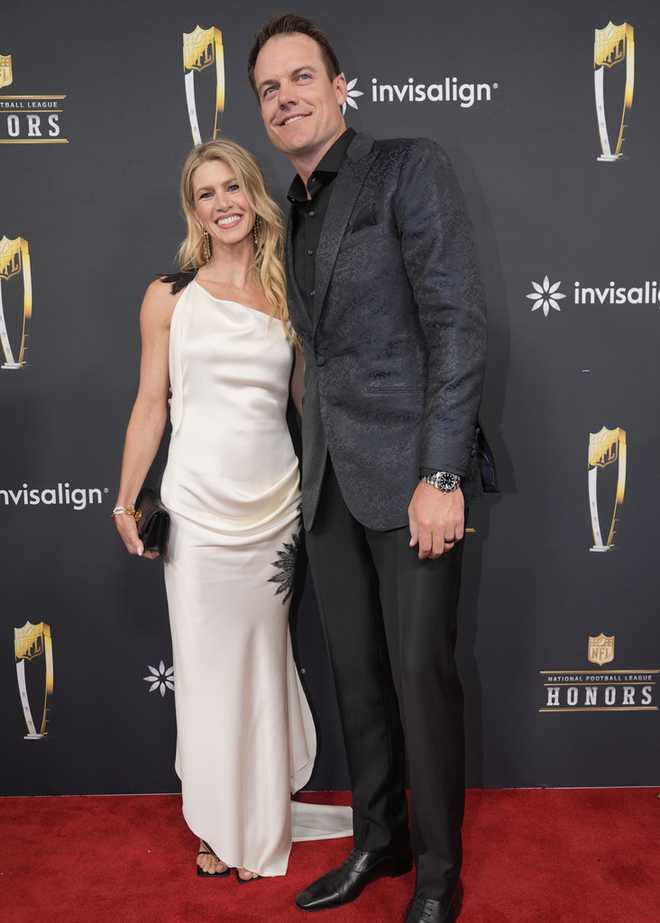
(178, 280)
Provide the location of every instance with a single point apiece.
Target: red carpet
(539, 856)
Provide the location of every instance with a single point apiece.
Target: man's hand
(436, 520)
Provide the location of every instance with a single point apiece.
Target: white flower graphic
(352, 94)
(545, 296)
(160, 678)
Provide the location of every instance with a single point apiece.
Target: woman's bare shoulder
(161, 296)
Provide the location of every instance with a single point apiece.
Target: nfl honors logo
(28, 118)
(601, 690)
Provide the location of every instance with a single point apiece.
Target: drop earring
(255, 231)
(206, 245)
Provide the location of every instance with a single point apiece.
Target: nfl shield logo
(10, 257)
(601, 649)
(6, 74)
(603, 447)
(198, 48)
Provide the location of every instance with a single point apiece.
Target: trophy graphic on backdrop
(14, 261)
(202, 48)
(606, 447)
(33, 644)
(612, 46)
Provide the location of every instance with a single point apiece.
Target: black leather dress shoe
(429, 910)
(344, 884)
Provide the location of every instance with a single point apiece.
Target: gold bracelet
(129, 511)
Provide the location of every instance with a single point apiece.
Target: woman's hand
(127, 528)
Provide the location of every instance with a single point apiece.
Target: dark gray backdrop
(101, 217)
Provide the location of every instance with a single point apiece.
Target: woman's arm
(149, 414)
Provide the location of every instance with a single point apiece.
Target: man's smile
(289, 119)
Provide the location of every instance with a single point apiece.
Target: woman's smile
(225, 222)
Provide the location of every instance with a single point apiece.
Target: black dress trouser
(390, 625)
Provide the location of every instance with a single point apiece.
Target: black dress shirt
(308, 213)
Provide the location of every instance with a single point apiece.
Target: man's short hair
(287, 25)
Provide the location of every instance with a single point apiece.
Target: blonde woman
(217, 335)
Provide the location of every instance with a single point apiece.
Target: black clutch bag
(153, 521)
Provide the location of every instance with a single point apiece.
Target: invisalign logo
(546, 294)
(450, 90)
(60, 495)
(646, 293)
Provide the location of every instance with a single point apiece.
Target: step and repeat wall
(550, 115)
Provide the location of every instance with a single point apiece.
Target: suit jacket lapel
(346, 188)
(298, 314)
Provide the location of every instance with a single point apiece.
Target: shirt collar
(325, 172)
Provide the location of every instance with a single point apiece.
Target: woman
(217, 335)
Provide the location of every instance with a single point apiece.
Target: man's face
(300, 104)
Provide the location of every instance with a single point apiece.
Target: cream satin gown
(245, 735)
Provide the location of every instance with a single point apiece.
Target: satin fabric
(245, 734)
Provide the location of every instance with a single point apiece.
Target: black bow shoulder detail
(178, 280)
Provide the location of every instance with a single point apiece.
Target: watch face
(443, 480)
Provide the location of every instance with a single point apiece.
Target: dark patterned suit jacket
(396, 346)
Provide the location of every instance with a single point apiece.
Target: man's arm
(438, 253)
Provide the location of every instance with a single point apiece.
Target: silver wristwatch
(443, 480)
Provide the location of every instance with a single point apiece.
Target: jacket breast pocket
(365, 217)
(364, 233)
(393, 387)
(390, 377)
(364, 252)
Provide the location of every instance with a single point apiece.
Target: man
(385, 295)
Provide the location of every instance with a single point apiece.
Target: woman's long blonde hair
(269, 224)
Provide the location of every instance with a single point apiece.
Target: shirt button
(310, 252)
(313, 292)
(320, 360)
(311, 213)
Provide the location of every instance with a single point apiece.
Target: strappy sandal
(207, 851)
(246, 881)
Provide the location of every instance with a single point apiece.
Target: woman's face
(220, 204)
